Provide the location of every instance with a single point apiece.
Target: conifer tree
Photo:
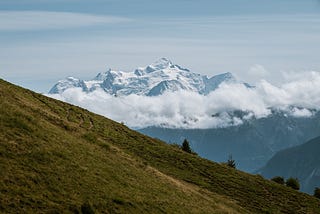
(186, 146)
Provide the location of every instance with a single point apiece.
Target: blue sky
(43, 41)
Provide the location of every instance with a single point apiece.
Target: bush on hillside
(186, 146)
(293, 183)
(278, 179)
(86, 208)
(231, 162)
(317, 192)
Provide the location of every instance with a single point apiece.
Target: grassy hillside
(55, 157)
(302, 162)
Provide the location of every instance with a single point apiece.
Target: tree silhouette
(278, 179)
(186, 146)
(293, 183)
(231, 162)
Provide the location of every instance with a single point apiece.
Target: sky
(42, 41)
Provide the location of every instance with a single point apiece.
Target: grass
(55, 157)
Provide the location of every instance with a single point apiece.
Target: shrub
(231, 162)
(105, 146)
(278, 179)
(293, 183)
(119, 201)
(86, 208)
(317, 192)
(186, 146)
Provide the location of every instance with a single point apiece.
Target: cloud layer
(299, 97)
(42, 20)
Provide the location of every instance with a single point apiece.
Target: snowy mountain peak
(102, 75)
(69, 82)
(224, 77)
(161, 63)
(157, 78)
(227, 75)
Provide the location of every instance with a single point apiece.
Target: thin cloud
(207, 47)
(43, 20)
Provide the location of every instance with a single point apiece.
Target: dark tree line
(290, 182)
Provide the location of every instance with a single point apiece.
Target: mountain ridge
(152, 80)
(302, 162)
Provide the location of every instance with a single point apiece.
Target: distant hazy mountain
(252, 144)
(302, 162)
(152, 80)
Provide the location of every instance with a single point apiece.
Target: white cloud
(42, 20)
(191, 110)
(298, 112)
(302, 90)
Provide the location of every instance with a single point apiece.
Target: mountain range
(152, 80)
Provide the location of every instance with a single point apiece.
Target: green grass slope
(55, 158)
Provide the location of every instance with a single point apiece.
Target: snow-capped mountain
(152, 80)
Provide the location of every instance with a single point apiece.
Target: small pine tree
(317, 192)
(186, 146)
(278, 179)
(293, 183)
(231, 162)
